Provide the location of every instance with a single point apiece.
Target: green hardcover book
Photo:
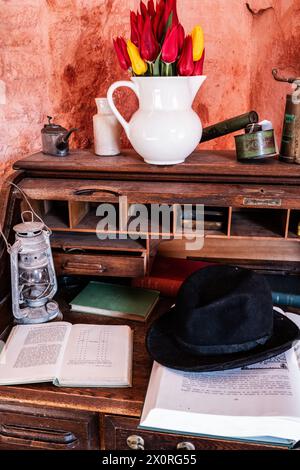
(114, 300)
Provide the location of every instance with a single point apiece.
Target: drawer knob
(136, 443)
(185, 446)
(102, 268)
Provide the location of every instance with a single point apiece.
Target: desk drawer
(122, 433)
(100, 265)
(41, 429)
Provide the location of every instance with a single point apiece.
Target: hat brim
(165, 350)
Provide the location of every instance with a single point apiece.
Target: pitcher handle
(114, 109)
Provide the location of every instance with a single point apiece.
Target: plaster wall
(56, 56)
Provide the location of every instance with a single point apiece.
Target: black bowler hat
(223, 319)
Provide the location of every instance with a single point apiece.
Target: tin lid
(52, 128)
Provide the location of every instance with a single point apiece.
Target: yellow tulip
(139, 66)
(198, 43)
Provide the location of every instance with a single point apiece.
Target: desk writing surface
(124, 401)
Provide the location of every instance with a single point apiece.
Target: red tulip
(173, 6)
(170, 7)
(181, 36)
(198, 67)
(157, 20)
(160, 30)
(170, 46)
(144, 10)
(122, 54)
(151, 9)
(185, 65)
(149, 47)
(135, 37)
(140, 24)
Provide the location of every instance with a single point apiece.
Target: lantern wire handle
(30, 207)
(8, 246)
(26, 212)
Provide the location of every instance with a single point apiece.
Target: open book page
(33, 353)
(256, 400)
(97, 355)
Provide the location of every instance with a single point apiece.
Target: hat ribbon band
(222, 348)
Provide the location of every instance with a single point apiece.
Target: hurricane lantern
(33, 276)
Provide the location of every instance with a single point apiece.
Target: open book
(259, 402)
(68, 355)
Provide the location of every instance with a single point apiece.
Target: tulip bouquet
(158, 45)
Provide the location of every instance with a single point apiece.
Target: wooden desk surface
(124, 401)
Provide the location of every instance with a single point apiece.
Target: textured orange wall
(24, 71)
(56, 56)
(276, 38)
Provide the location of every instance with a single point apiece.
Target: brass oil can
(290, 143)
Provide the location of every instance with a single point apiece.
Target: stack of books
(168, 274)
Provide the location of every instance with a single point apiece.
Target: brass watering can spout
(278, 78)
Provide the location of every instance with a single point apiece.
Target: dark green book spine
(290, 300)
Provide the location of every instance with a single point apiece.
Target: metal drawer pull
(91, 191)
(101, 268)
(136, 443)
(37, 434)
(69, 266)
(185, 446)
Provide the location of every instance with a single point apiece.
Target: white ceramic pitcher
(165, 129)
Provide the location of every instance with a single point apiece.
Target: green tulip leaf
(169, 22)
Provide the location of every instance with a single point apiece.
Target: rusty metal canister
(255, 146)
(290, 144)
